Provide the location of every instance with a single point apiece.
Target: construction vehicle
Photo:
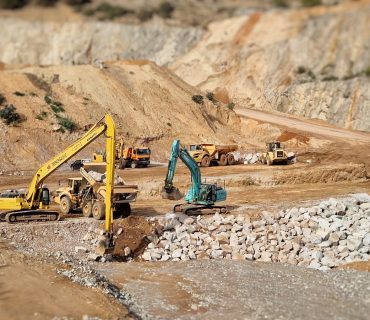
(127, 157)
(33, 205)
(274, 154)
(88, 193)
(201, 197)
(210, 154)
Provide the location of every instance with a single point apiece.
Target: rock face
(321, 237)
(309, 62)
(86, 42)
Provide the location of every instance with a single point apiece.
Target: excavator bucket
(174, 194)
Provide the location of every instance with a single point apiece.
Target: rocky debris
(252, 158)
(334, 232)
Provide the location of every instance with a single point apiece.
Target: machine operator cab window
(195, 147)
(143, 152)
(274, 145)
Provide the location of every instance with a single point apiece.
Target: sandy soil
(30, 289)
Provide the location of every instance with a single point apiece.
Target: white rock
(80, 249)
(146, 256)
(177, 253)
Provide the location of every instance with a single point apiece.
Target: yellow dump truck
(210, 154)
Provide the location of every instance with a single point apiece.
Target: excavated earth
(297, 75)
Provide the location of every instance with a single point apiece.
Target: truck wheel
(65, 205)
(230, 159)
(122, 164)
(133, 165)
(98, 210)
(223, 160)
(87, 209)
(205, 161)
(123, 210)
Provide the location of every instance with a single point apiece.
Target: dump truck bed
(212, 148)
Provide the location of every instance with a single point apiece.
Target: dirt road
(306, 126)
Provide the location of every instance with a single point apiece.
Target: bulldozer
(207, 154)
(127, 157)
(274, 154)
(87, 193)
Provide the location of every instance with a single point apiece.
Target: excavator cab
(45, 196)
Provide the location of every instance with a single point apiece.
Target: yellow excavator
(34, 205)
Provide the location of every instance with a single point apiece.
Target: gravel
(334, 232)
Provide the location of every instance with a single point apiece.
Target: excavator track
(198, 209)
(30, 216)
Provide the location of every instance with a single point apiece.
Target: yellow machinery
(33, 206)
(127, 157)
(274, 154)
(88, 193)
(207, 154)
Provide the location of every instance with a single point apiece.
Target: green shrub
(231, 105)
(48, 99)
(311, 74)
(165, 10)
(56, 106)
(66, 123)
(169, 124)
(367, 72)
(9, 115)
(110, 12)
(2, 99)
(330, 78)
(311, 3)
(46, 3)
(301, 69)
(280, 3)
(145, 14)
(78, 2)
(19, 94)
(197, 99)
(42, 115)
(13, 4)
(211, 96)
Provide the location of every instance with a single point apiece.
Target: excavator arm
(200, 196)
(31, 201)
(178, 152)
(52, 165)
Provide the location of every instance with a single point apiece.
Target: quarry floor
(167, 290)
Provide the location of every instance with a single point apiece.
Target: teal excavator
(201, 197)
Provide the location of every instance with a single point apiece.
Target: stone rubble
(334, 232)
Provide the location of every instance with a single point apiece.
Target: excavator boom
(200, 194)
(28, 206)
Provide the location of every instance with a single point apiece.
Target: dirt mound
(150, 105)
(131, 232)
